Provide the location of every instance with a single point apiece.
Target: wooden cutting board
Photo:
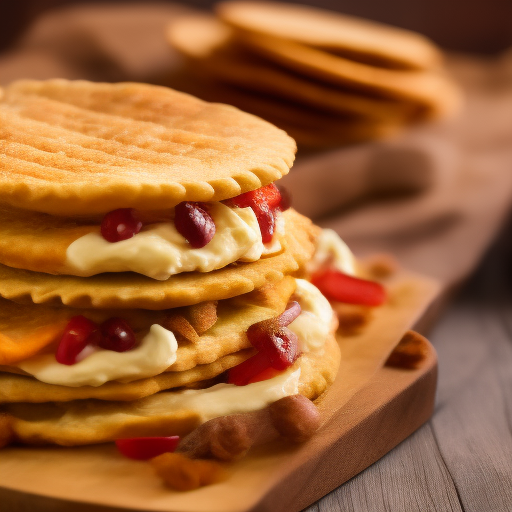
(367, 411)
(389, 408)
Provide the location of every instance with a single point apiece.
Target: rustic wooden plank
(411, 478)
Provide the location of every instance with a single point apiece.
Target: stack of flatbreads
(71, 153)
(326, 78)
(106, 339)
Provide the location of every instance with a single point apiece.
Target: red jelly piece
(144, 448)
(117, 335)
(265, 375)
(266, 221)
(77, 335)
(341, 287)
(269, 195)
(272, 338)
(241, 374)
(120, 225)
(291, 312)
(264, 201)
(193, 222)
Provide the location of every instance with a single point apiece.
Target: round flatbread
(360, 39)
(70, 148)
(429, 89)
(210, 44)
(27, 330)
(127, 290)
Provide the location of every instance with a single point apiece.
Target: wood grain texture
(461, 460)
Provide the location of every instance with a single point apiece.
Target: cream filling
(225, 399)
(156, 352)
(159, 251)
(331, 250)
(313, 325)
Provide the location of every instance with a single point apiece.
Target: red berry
(193, 222)
(120, 225)
(144, 448)
(241, 374)
(117, 335)
(340, 287)
(77, 335)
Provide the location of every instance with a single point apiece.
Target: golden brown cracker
(128, 290)
(24, 327)
(360, 39)
(81, 147)
(432, 90)
(93, 421)
(20, 388)
(210, 44)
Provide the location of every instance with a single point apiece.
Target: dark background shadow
(481, 26)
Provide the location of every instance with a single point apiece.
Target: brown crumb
(183, 474)
(410, 352)
(352, 317)
(380, 267)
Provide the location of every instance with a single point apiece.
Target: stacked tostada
(152, 275)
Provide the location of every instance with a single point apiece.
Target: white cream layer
(224, 399)
(156, 352)
(332, 251)
(159, 251)
(314, 323)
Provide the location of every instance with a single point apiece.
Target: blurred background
(481, 26)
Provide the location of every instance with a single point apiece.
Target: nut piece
(225, 438)
(203, 316)
(183, 474)
(181, 327)
(6, 432)
(410, 352)
(295, 417)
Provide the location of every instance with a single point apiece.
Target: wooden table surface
(461, 460)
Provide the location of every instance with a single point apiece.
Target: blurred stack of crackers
(326, 78)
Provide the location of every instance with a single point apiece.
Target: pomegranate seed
(341, 287)
(117, 335)
(241, 374)
(144, 448)
(120, 225)
(193, 222)
(281, 346)
(77, 335)
(277, 346)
